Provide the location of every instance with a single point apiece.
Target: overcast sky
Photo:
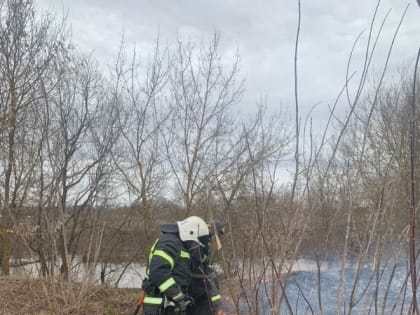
(264, 33)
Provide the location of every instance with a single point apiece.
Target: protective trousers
(202, 307)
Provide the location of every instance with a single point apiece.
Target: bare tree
(80, 134)
(250, 187)
(203, 90)
(27, 48)
(140, 93)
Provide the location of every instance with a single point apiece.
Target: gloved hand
(213, 279)
(182, 302)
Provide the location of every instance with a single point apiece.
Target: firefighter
(169, 267)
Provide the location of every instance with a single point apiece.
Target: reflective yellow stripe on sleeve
(153, 300)
(166, 284)
(165, 256)
(152, 249)
(216, 297)
(150, 256)
(185, 254)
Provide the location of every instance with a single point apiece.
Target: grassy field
(22, 296)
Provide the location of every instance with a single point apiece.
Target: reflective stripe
(165, 256)
(185, 254)
(216, 297)
(170, 303)
(151, 255)
(166, 284)
(153, 300)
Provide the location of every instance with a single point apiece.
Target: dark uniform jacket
(168, 271)
(204, 287)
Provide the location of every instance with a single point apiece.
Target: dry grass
(22, 296)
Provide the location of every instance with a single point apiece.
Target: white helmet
(191, 228)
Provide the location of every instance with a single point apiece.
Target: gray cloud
(264, 32)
